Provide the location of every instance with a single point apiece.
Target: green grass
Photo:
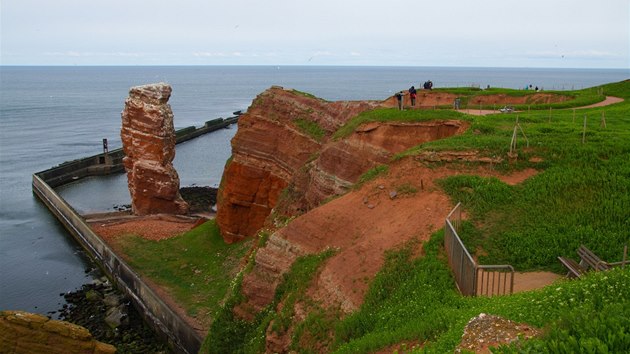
(230, 334)
(310, 128)
(371, 174)
(414, 299)
(196, 267)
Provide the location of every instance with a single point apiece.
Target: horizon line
(309, 65)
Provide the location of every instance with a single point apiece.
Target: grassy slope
(196, 267)
(582, 196)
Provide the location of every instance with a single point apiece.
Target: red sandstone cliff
(271, 154)
(148, 137)
(268, 152)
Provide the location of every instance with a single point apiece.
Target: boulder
(23, 332)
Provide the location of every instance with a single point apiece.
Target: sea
(49, 115)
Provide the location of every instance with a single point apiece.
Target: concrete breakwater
(111, 161)
(166, 322)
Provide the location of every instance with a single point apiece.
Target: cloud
(75, 54)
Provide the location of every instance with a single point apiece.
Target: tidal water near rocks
(111, 318)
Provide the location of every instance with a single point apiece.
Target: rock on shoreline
(111, 318)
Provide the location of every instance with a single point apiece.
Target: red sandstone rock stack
(148, 137)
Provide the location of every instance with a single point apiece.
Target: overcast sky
(504, 33)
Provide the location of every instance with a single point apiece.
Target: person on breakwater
(412, 95)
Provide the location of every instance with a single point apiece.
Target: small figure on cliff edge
(428, 85)
(412, 95)
(399, 97)
(456, 103)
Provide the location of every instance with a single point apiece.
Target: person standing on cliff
(399, 97)
(412, 95)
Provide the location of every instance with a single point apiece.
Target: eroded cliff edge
(271, 151)
(284, 157)
(280, 170)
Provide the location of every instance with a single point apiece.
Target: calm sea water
(49, 115)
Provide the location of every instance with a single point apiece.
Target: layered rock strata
(148, 137)
(277, 165)
(23, 332)
(271, 153)
(268, 152)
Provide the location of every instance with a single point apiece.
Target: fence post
(584, 130)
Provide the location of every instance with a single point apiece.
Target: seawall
(166, 322)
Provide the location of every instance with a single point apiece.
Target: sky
(481, 33)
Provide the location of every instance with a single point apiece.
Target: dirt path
(533, 280)
(482, 112)
(608, 101)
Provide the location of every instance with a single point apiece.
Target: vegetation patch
(230, 334)
(371, 174)
(196, 268)
(306, 94)
(310, 128)
(406, 189)
(415, 299)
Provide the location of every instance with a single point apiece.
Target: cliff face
(277, 165)
(269, 152)
(148, 137)
(22, 332)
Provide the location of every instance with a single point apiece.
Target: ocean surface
(49, 115)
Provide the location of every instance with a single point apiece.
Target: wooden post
(603, 122)
(584, 130)
(513, 142)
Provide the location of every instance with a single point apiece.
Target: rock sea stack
(148, 137)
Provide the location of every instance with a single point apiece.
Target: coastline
(167, 321)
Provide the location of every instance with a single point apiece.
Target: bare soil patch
(153, 227)
(384, 214)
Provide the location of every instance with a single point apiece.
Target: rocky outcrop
(148, 137)
(271, 154)
(23, 332)
(269, 150)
